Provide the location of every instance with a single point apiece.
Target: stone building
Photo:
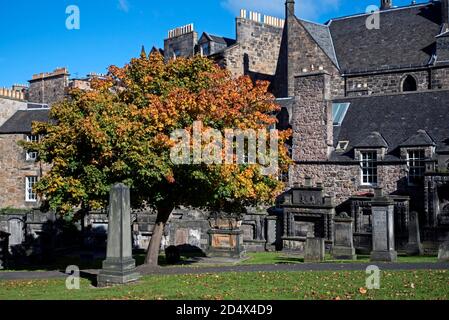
(368, 107)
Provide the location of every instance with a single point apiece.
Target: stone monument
(443, 252)
(383, 228)
(414, 246)
(225, 237)
(119, 266)
(315, 250)
(343, 247)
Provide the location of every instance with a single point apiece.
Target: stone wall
(344, 180)
(312, 118)
(182, 45)
(48, 89)
(256, 52)
(440, 78)
(8, 107)
(14, 170)
(384, 83)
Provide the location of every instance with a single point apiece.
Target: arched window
(409, 84)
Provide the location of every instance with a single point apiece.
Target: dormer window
(368, 164)
(416, 165)
(342, 145)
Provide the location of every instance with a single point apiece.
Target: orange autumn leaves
(120, 132)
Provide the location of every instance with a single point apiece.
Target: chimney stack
(386, 4)
(289, 8)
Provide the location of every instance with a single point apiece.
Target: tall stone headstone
(315, 250)
(414, 246)
(443, 252)
(119, 266)
(383, 228)
(343, 247)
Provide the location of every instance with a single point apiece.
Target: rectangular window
(417, 166)
(30, 195)
(368, 165)
(31, 155)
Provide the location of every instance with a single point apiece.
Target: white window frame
(30, 195)
(369, 168)
(413, 163)
(31, 155)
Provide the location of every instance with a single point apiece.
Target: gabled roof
(22, 120)
(218, 39)
(321, 34)
(420, 139)
(406, 38)
(397, 118)
(373, 140)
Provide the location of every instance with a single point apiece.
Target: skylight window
(339, 112)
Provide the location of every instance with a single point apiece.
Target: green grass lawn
(398, 285)
(283, 258)
(253, 259)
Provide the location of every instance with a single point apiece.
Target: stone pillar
(315, 250)
(271, 233)
(414, 246)
(383, 228)
(343, 247)
(119, 266)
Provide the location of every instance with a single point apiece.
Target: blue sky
(35, 39)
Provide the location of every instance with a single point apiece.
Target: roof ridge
(381, 11)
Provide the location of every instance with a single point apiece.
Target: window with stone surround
(416, 164)
(30, 154)
(368, 164)
(30, 195)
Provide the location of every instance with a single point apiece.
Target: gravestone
(119, 266)
(4, 248)
(271, 233)
(443, 252)
(315, 250)
(414, 246)
(383, 228)
(343, 247)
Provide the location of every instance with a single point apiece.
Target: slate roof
(421, 138)
(397, 118)
(22, 120)
(321, 34)
(373, 140)
(218, 39)
(406, 38)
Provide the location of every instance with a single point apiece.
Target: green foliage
(120, 132)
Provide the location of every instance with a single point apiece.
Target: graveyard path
(304, 267)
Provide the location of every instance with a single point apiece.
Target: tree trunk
(163, 214)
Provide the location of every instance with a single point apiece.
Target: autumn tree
(120, 131)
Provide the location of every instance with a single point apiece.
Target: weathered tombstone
(343, 247)
(119, 266)
(315, 250)
(271, 233)
(414, 246)
(443, 252)
(225, 237)
(4, 248)
(383, 228)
